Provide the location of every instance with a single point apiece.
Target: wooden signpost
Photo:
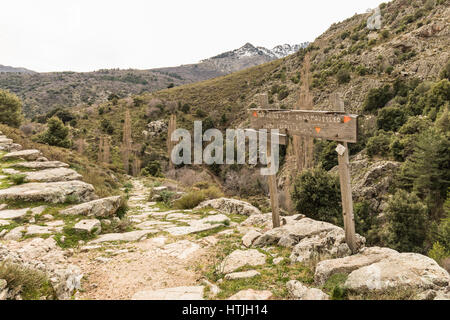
(329, 125)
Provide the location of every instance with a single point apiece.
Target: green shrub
(153, 168)
(445, 73)
(194, 198)
(391, 118)
(10, 109)
(438, 252)
(316, 194)
(377, 98)
(415, 125)
(31, 284)
(407, 217)
(379, 144)
(343, 76)
(326, 153)
(57, 134)
(107, 127)
(166, 197)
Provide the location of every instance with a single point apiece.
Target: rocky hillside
(58, 240)
(43, 92)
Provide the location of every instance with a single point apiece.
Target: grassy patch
(335, 286)
(72, 237)
(18, 178)
(29, 283)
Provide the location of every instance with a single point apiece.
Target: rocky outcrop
(45, 256)
(89, 226)
(54, 192)
(101, 208)
(156, 128)
(230, 206)
(127, 236)
(240, 258)
(371, 180)
(300, 292)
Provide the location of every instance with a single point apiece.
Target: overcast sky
(87, 35)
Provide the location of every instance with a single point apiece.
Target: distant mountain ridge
(14, 69)
(42, 92)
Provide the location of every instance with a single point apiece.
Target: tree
(407, 219)
(10, 109)
(57, 134)
(377, 98)
(317, 195)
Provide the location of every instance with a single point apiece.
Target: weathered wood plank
(338, 126)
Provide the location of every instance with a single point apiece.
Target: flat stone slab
(52, 175)
(240, 258)
(20, 213)
(105, 207)
(54, 192)
(177, 293)
(89, 226)
(242, 275)
(208, 223)
(251, 294)
(33, 230)
(127, 236)
(154, 224)
(4, 223)
(39, 165)
(181, 249)
(29, 154)
(15, 234)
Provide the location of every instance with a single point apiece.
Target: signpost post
(329, 125)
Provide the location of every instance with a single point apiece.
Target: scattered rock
(213, 289)
(15, 234)
(54, 192)
(20, 213)
(230, 206)
(89, 226)
(208, 223)
(177, 293)
(251, 294)
(249, 237)
(181, 249)
(242, 275)
(277, 260)
(297, 290)
(101, 208)
(240, 258)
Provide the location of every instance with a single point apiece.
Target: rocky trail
(52, 223)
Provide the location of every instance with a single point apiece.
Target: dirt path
(119, 270)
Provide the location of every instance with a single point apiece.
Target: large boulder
(88, 225)
(29, 154)
(365, 257)
(300, 292)
(52, 175)
(54, 192)
(240, 258)
(105, 207)
(399, 271)
(230, 206)
(45, 255)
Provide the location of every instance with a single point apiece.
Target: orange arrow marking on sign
(317, 129)
(255, 114)
(347, 119)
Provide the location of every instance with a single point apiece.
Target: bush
(377, 98)
(379, 144)
(316, 194)
(107, 127)
(438, 253)
(194, 198)
(326, 154)
(153, 168)
(407, 217)
(343, 76)
(445, 73)
(29, 283)
(391, 118)
(56, 135)
(415, 125)
(10, 109)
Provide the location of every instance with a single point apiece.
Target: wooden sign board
(329, 125)
(282, 136)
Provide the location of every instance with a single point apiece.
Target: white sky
(87, 35)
